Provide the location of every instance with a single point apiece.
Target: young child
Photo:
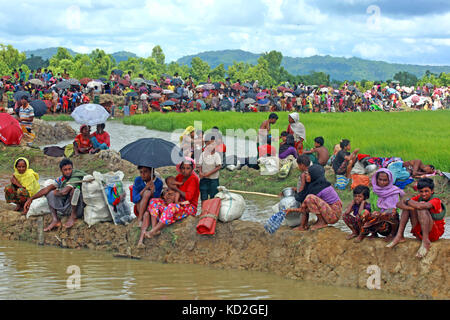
(343, 164)
(24, 184)
(426, 214)
(384, 217)
(322, 153)
(210, 163)
(356, 209)
(172, 185)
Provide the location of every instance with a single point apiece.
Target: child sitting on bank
(170, 194)
(356, 209)
(426, 214)
(343, 164)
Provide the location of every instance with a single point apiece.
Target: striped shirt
(27, 112)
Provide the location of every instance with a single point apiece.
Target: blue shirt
(139, 185)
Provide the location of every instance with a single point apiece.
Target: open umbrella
(249, 101)
(94, 84)
(118, 71)
(137, 81)
(152, 152)
(429, 85)
(10, 130)
(391, 90)
(166, 91)
(125, 83)
(175, 95)
(6, 77)
(217, 85)
(90, 114)
(155, 95)
(19, 94)
(36, 82)
(168, 103)
(85, 81)
(251, 94)
(288, 95)
(102, 79)
(39, 107)
(263, 102)
(209, 86)
(156, 89)
(150, 83)
(63, 85)
(74, 82)
(132, 94)
(177, 81)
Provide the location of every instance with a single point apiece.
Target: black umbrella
(132, 94)
(248, 85)
(102, 79)
(18, 95)
(63, 85)
(226, 102)
(152, 152)
(217, 85)
(251, 94)
(39, 107)
(118, 71)
(298, 92)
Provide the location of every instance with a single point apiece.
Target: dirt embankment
(48, 134)
(323, 256)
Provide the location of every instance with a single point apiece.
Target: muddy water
(122, 134)
(32, 272)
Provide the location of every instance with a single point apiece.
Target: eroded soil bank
(323, 256)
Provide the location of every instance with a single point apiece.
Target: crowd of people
(379, 206)
(63, 94)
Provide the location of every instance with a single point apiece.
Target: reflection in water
(29, 271)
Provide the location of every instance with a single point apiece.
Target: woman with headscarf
(288, 148)
(297, 129)
(188, 186)
(24, 184)
(187, 141)
(383, 218)
(318, 197)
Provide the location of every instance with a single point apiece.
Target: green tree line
(268, 70)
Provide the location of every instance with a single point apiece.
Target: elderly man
(62, 196)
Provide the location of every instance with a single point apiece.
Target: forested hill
(47, 53)
(338, 68)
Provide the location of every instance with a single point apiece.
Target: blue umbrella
(391, 90)
(132, 94)
(168, 103)
(263, 102)
(202, 104)
(152, 152)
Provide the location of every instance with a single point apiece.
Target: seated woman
(162, 213)
(145, 187)
(100, 139)
(318, 197)
(24, 184)
(288, 148)
(82, 143)
(384, 217)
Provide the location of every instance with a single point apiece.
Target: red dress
(438, 225)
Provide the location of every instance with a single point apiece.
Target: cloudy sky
(403, 31)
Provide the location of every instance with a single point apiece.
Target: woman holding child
(179, 200)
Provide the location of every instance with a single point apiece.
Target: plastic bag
(232, 205)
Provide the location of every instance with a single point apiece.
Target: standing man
(26, 114)
(61, 196)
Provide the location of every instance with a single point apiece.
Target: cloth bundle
(341, 182)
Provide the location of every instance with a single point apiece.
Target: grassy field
(57, 117)
(409, 135)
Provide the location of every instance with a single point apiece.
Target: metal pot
(288, 201)
(288, 192)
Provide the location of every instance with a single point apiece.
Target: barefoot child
(384, 217)
(24, 184)
(210, 163)
(356, 209)
(426, 213)
(322, 152)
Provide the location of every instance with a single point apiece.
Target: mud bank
(47, 133)
(323, 256)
